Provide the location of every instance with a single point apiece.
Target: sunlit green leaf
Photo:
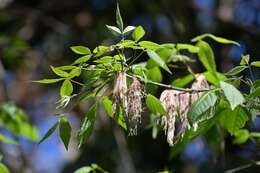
(241, 136)
(81, 50)
(128, 29)
(211, 77)
(75, 73)
(245, 60)
(7, 140)
(236, 70)
(206, 56)
(114, 30)
(217, 39)
(59, 72)
(183, 81)
(101, 50)
(66, 88)
(149, 45)
(138, 33)
(3, 168)
(255, 63)
(85, 169)
(82, 59)
(154, 105)
(156, 58)
(48, 81)
(232, 94)
(189, 47)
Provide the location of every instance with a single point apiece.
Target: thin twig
(257, 163)
(81, 84)
(136, 58)
(168, 86)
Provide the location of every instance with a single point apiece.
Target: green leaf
(154, 105)
(65, 131)
(59, 72)
(107, 104)
(75, 73)
(87, 126)
(7, 140)
(255, 93)
(181, 58)
(119, 20)
(28, 131)
(255, 63)
(116, 31)
(149, 45)
(49, 132)
(138, 33)
(189, 47)
(48, 81)
(211, 77)
(156, 58)
(183, 81)
(82, 59)
(206, 101)
(81, 50)
(217, 39)
(128, 29)
(4, 169)
(104, 60)
(66, 88)
(241, 136)
(67, 67)
(236, 70)
(232, 94)
(101, 50)
(206, 56)
(245, 60)
(233, 120)
(85, 169)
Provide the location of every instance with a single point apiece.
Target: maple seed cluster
(130, 100)
(177, 104)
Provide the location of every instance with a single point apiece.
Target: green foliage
(15, 120)
(107, 76)
(233, 120)
(87, 125)
(66, 88)
(65, 131)
(138, 33)
(217, 39)
(94, 168)
(232, 94)
(204, 103)
(49, 132)
(154, 105)
(4, 169)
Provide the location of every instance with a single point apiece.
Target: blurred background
(37, 34)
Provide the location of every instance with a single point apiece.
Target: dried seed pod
(199, 84)
(176, 104)
(120, 92)
(134, 106)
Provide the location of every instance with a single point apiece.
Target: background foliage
(37, 34)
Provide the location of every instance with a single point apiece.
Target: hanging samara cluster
(176, 104)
